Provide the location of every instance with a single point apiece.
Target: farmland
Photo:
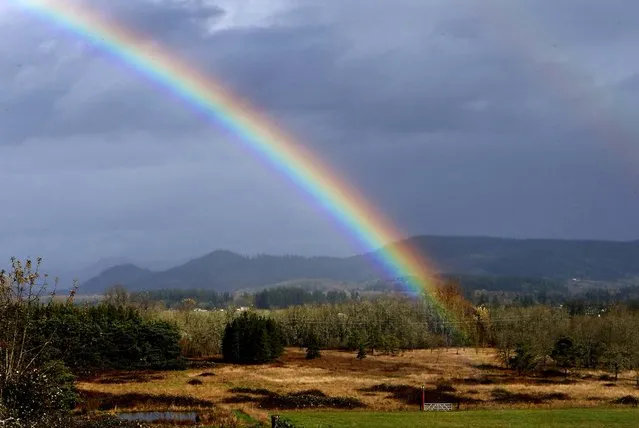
(379, 383)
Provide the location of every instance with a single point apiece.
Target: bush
(627, 400)
(252, 339)
(106, 337)
(38, 393)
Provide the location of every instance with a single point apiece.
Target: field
(556, 418)
(386, 383)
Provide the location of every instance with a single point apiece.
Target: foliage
(201, 332)
(564, 353)
(376, 322)
(283, 297)
(107, 337)
(172, 298)
(252, 339)
(117, 295)
(40, 338)
(312, 347)
(32, 387)
(361, 353)
(38, 392)
(284, 423)
(523, 359)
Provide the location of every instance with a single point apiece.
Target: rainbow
(298, 164)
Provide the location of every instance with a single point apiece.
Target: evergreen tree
(251, 339)
(564, 353)
(523, 359)
(361, 354)
(312, 347)
(263, 352)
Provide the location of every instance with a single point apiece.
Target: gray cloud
(509, 120)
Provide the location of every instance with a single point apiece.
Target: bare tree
(117, 295)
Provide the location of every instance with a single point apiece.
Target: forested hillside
(556, 260)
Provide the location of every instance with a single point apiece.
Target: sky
(453, 117)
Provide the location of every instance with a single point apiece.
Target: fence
(438, 407)
(435, 407)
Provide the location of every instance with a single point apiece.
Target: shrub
(627, 400)
(106, 337)
(38, 393)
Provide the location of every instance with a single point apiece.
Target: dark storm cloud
(454, 117)
(590, 22)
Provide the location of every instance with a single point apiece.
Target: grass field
(556, 418)
(380, 383)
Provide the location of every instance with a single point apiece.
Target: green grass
(559, 418)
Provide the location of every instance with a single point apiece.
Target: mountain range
(501, 257)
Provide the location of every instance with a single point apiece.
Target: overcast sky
(460, 117)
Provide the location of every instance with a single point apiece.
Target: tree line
(531, 338)
(284, 297)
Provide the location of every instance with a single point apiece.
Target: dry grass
(380, 382)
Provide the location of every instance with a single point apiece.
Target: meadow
(558, 418)
(384, 390)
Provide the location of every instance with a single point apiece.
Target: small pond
(159, 416)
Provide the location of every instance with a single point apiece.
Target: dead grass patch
(127, 377)
(379, 382)
(501, 395)
(104, 401)
(254, 391)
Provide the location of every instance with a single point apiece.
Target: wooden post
(421, 406)
(274, 421)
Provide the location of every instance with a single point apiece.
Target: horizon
(114, 261)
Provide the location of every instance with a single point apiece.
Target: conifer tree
(361, 354)
(312, 347)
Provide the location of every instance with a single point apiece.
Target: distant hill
(121, 274)
(227, 271)
(66, 277)
(535, 258)
(499, 257)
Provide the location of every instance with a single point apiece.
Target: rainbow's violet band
(298, 164)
